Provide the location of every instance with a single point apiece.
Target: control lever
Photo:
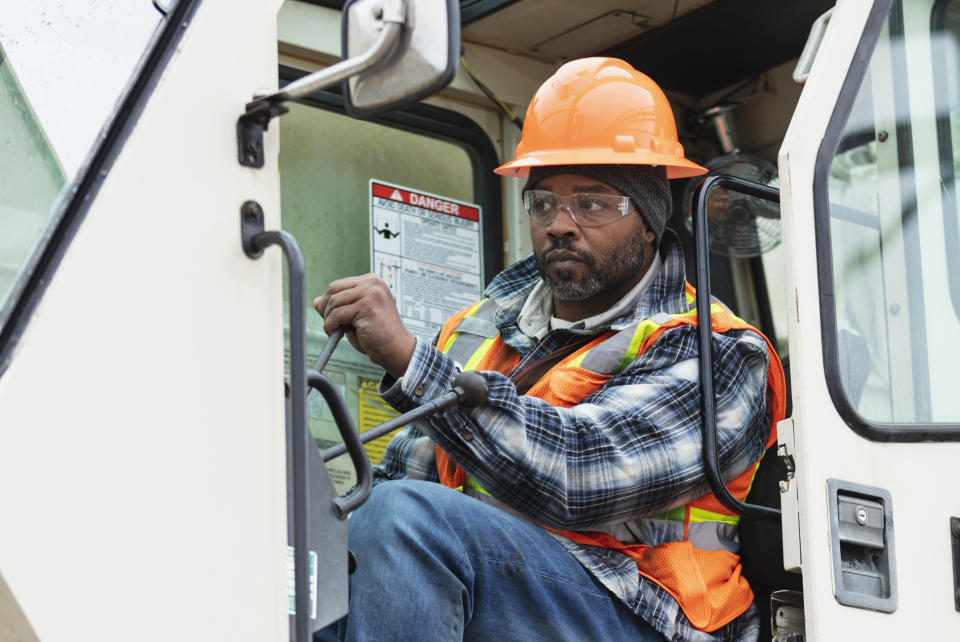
(469, 390)
(328, 349)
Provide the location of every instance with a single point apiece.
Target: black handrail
(711, 463)
(254, 240)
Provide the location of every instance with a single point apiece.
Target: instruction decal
(427, 249)
(292, 583)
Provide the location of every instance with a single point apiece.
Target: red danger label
(425, 201)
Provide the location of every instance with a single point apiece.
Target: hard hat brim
(676, 167)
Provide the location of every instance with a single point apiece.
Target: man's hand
(365, 305)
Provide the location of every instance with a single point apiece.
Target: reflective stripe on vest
(473, 335)
(704, 526)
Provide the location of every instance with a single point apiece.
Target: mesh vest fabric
(697, 570)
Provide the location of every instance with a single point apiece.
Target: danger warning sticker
(426, 201)
(427, 249)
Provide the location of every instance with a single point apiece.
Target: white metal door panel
(141, 418)
(921, 478)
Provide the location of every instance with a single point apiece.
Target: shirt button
(467, 436)
(418, 392)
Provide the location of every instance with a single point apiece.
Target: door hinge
(250, 129)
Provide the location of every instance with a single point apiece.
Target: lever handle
(328, 349)
(469, 390)
(351, 443)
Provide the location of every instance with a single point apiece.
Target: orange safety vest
(698, 570)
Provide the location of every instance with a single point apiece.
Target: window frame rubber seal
(882, 432)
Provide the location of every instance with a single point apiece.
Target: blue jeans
(436, 565)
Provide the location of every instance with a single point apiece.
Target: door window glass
(63, 68)
(326, 163)
(890, 327)
(946, 65)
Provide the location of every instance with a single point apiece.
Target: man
(594, 519)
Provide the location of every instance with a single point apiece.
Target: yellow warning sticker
(373, 411)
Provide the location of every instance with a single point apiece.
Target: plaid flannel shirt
(629, 450)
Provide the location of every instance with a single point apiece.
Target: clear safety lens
(587, 210)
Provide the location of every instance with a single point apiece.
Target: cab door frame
(821, 436)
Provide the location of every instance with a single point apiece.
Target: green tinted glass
(326, 163)
(31, 178)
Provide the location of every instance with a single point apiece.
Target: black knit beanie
(646, 185)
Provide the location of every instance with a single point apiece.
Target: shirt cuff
(429, 374)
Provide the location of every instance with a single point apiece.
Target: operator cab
(360, 176)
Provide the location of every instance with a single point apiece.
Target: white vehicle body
(143, 476)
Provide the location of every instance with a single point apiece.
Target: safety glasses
(587, 210)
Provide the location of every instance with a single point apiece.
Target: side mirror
(423, 60)
(395, 52)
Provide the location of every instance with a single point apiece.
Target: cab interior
(727, 68)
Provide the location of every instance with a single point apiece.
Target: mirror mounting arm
(391, 14)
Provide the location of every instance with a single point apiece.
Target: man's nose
(563, 223)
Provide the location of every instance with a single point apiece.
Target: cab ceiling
(691, 46)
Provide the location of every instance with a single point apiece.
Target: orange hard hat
(599, 111)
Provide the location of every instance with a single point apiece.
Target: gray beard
(625, 263)
(570, 290)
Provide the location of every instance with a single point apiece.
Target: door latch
(861, 535)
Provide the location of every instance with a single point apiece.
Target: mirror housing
(396, 52)
(423, 61)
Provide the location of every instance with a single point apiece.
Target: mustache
(566, 245)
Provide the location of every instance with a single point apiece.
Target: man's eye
(590, 204)
(541, 205)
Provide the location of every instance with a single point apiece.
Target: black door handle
(711, 462)
(254, 240)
